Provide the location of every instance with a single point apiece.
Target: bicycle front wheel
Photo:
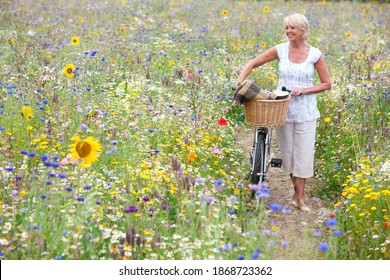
(258, 154)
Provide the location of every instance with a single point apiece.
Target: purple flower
(166, 207)
(81, 199)
(131, 209)
(145, 199)
(23, 152)
(200, 180)
(225, 248)
(233, 199)
(207, 198)
(284, 244)
(317, 232)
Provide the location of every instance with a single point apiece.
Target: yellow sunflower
(264, 45)
(266, 9)
(75, 40)
(348, 35)
(224, 12)
(27, 112)
(68, 70)
(86, 150)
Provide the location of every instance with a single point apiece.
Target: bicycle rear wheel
(258, 154)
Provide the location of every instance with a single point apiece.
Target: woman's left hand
(297, 91)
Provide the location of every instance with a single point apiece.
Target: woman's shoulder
(315, 53)
(282, 47)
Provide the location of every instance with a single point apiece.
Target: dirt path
(295, 227)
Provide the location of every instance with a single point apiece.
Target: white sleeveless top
(298, 75)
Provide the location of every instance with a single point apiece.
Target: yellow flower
(11, 42)
(86, 150)
(327, 119)
(68, 70)
(224, 12)
(81, 20)
(75, 40)
(121, 30)
(266, 9)
(27, 112)
(348, 35)
(264, 45)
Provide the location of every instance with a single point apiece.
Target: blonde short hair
(298, 21)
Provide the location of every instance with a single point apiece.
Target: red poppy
(332, 216)
(385, 224)
(222, 122)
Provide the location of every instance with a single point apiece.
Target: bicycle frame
(260, 156)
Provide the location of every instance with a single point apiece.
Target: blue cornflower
(81, 199)
(275, 207)
(32, 154)
(323, 247)
(9, 168)
(337, 233)
(43, 196)
(266, 232)
(44, 158)
(331, 222)
(219, 182)
(241, 257)
(23, 152)
(284, 244)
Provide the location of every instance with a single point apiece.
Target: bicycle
(260, 156)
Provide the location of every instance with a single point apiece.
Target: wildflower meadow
(118, 139)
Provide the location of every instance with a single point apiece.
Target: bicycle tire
(257, 174)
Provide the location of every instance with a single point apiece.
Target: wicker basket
(266, 113)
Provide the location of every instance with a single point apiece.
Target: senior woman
(298, 62)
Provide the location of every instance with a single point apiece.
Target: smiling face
(296, 27)
(294, 33)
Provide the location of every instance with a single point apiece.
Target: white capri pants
(296, 144)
